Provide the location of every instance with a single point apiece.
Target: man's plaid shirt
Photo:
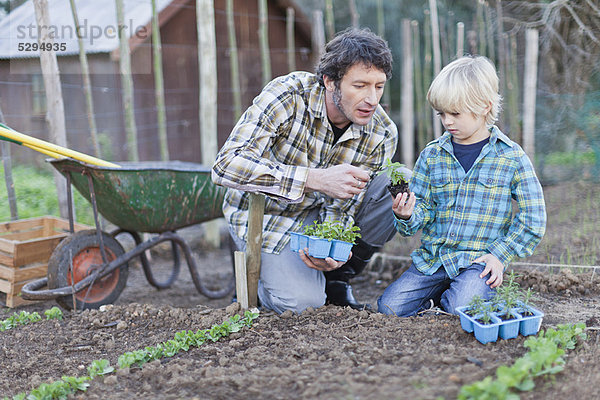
(281, 135)
(466, 215)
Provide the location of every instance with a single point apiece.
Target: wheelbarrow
(90, 268)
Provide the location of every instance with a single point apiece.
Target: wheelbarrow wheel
(81, 250)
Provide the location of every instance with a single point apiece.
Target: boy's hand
(320, 264)
(404, 204)
(494, 267)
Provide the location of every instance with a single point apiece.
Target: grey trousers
(286, 283)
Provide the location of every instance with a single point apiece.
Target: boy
(462, 187)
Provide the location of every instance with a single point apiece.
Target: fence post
(56, 108)
(318, 35)
(408, 126)
(460, 39)
(529, 91)
(290, 38)
(207, 65)
(87, 86)
(127, 85)
(437, 58)
(159, 87)
(8, 177)
(234, 63)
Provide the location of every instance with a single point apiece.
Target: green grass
(36, 196)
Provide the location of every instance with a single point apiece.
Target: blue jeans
(410, 293)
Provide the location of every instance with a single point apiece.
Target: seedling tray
(510, 329)
(321, 248)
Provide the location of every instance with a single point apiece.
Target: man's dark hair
(350, 47)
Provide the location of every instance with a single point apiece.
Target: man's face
(357, 96)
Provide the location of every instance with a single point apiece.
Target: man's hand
(340, 181)
(320, 264)
(493, 266)
(404, 205)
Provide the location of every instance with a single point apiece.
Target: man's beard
(337, 101)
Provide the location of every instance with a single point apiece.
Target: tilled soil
(330, 352)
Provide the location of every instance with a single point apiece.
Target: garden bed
(330, 352)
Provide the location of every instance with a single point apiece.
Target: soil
(330, 352)
(402, 187)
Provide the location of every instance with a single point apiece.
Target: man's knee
(295, 302)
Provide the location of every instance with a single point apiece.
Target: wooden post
(502, 54)
(290, 38)
(419, 94)
(263, 38)
(329, 19)
(207, 65)
(512, 89)
(529, 91)
(460, 39)
(159, 87)
(256, 214)
(54, 98)
(437, 58)
(481, 29)
(127, 85)
(427, 72)
(318, 35)
(408, 126)
(387, 98)
(489, 28)
(241, 279)
(87, 86)
(234, 62)
(8, 177)
(355, 17)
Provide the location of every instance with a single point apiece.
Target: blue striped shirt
(466, 215)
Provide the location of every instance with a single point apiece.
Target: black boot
(337, 286)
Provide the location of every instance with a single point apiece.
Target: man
(310, 142)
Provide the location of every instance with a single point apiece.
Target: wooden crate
(25, 247)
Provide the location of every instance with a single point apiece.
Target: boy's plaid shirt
(282, 134)
(464, 216)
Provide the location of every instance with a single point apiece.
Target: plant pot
(318, 248)
(509, 329)
(340, 250)
(486, 333)
(466, 322)
(298, 241)
(530, 324)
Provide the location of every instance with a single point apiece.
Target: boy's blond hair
(469, 83)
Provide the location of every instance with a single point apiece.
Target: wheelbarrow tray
(152, 197)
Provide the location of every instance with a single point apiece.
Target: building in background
(22, 89)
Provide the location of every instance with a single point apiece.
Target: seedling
(508, 294)
(333, 231)
(485, 315)
(398, 180)
(53, 313)
(394, 171)
(475, 305)
(526, 302)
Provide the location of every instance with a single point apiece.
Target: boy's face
(357, 97)
(465, 127)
